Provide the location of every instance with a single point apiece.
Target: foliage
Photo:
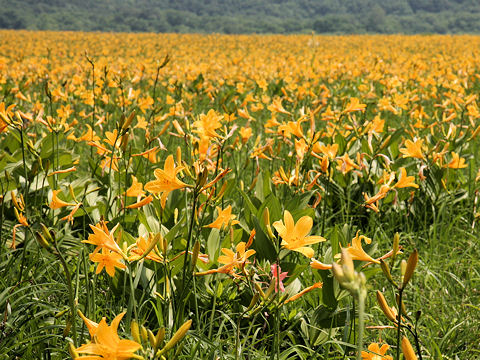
(248, 16)
(247, 196)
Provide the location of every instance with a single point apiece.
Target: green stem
(132, 301)
(399, 320)
(361, 325)
(68, 277)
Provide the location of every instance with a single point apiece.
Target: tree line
(244, 16)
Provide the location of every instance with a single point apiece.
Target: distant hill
(244, 16)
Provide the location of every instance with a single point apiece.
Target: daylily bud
(144, 333)
(135, 331)
(179, 335)
(260, 291)
(270, 289)
(270, 232)
(254, 301)
(338, 272)
(202, 178)
(418, 314)
(72, 351)
(396, 245)
(347, 265)
(175, 215)
(18, 205)
(124, 141)
(179, 155)
(403, 268)
(72, 193)
(386, 271)
(151, 337)
(266, 216)
(407, 349)
(385, 143)
(159, 338)
(195, 252)
(129, 120)
(411, 265)
(68, 326)
(41, 240)
(385, 308)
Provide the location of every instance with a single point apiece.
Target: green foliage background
(244, 16)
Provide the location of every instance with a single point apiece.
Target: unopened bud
(144, 333)
(270, 289)
(347, 265)
(151, 337)
(385, 308)
(266, 216)
(72, 351)
(177, 337)
(128, 121)
(396, 245)
(386, 271)
(159, 338)
(135, 331)
(407, 349)
(403, 268)
(338, 272)
(195, 252)
(385, 142)
(41, 240)
(254, 301)
(410, 268)
(259, 290)
(68, 326)
(179, 155)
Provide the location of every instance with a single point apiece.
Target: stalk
(68, 277)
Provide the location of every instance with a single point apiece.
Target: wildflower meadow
(167, 196)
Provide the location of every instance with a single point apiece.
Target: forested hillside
(245, 16)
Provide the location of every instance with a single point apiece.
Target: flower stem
(361, 325)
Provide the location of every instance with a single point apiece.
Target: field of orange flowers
(239, 197)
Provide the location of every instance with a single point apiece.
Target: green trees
(245, 16)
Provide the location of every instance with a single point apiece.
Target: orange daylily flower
(315, 264)
(107, 259)
(376, 352)
(356, 250)
(224, 218)
(354, 105)
(329, 150)
(457, 162)
(135, 190)
(142, 246)
(405, 181)
(231, 260)
(276, 106)
(103, 238)
(345, 164)
(294, 236)
(166, 180)
(106, 343)
(207, 125)
(384, 189)
(58, 203)
(413, 149)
